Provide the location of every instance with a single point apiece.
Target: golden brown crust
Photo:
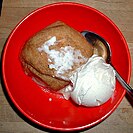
(37, 61)
(51, 82)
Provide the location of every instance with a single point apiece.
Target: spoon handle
(124, 84)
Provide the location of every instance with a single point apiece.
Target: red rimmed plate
(51, 110)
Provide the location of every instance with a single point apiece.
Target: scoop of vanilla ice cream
(93, 83)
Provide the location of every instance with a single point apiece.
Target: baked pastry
(54, 53)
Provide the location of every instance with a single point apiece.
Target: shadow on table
(1, 1)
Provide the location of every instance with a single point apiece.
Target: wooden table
(120, 11)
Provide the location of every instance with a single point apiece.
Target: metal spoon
(102, 48)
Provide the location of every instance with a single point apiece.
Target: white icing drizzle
(61, 60)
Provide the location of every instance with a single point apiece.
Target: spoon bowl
(102, 48)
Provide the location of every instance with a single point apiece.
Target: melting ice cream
(93, 83)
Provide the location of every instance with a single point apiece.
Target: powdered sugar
(61, 60)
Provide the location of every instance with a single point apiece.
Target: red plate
(51, 110)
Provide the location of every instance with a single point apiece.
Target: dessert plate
(47, 109)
